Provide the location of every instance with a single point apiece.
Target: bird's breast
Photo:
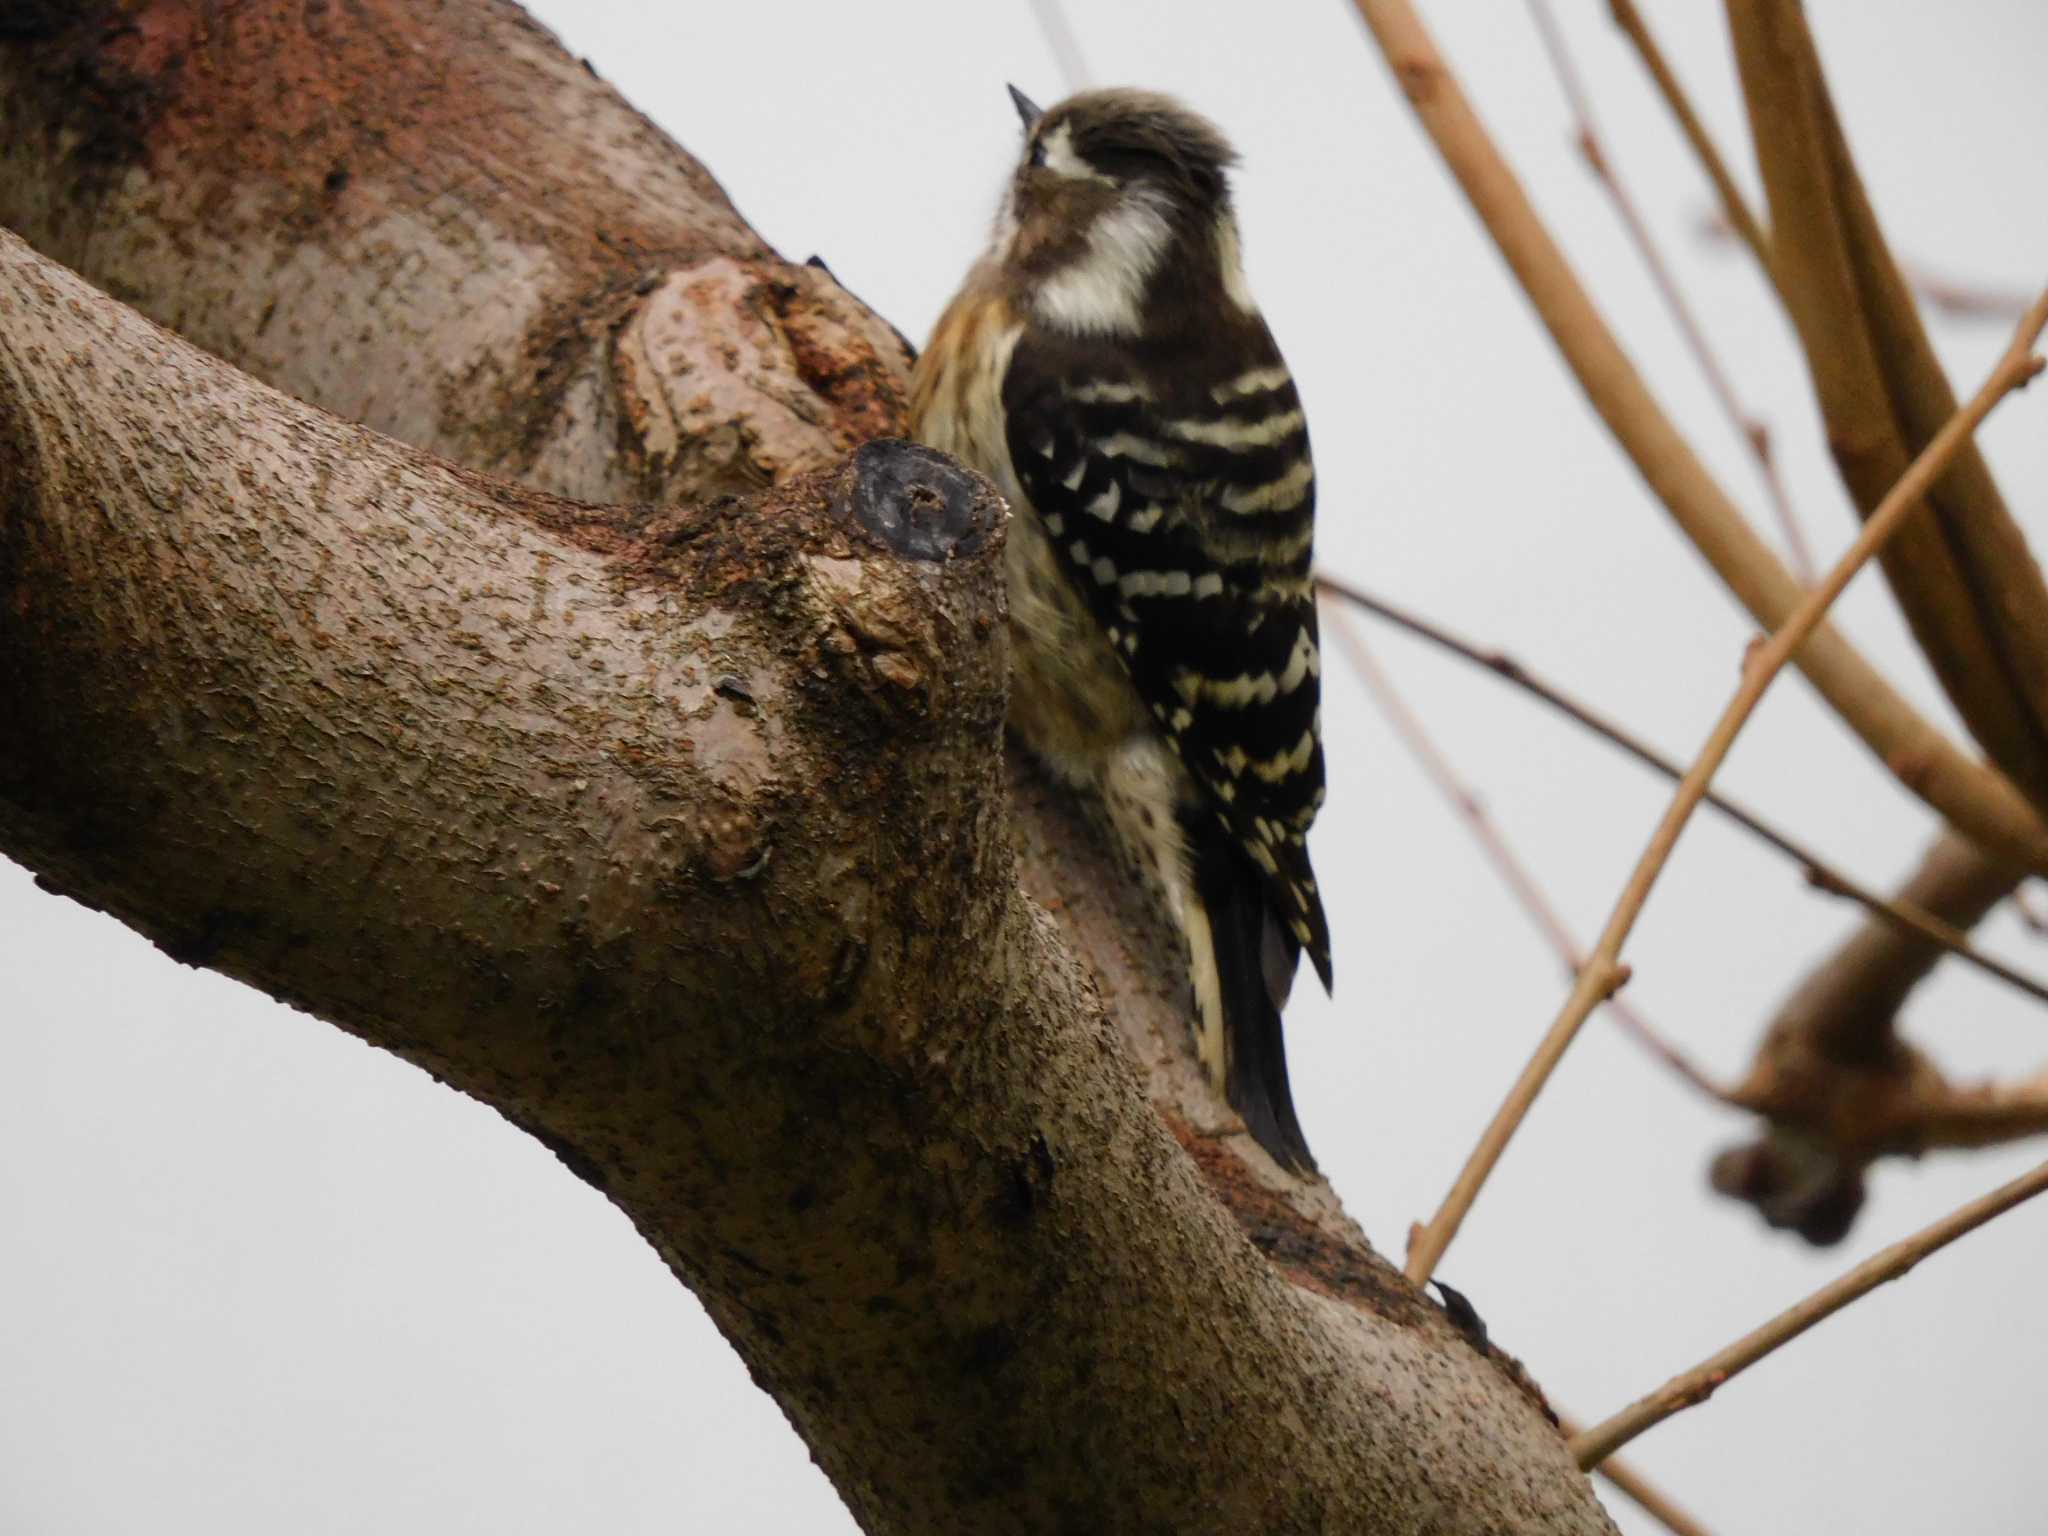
(1071, 701)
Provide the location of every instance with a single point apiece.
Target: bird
(1105, 364)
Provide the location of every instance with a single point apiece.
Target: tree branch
(1735, 209)
(1964, 577)
(1965, 792)
(1839, 1088)
(1514, 874)
(1603, 971)
(1934, 926)
(533, 803)
(1695, 1386)
(1652, 1500)
(1754, 434)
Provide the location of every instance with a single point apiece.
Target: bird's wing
(1181, 499)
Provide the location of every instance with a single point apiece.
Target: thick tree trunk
(679, 834)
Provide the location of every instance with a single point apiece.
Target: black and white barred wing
(1183, 510)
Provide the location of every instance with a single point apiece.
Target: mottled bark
(537, 804)
(547, 287)
(677, 833)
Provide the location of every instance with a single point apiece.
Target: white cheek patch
(1102, 293)
(1061, 159)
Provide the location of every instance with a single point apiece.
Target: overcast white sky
(260, 1277)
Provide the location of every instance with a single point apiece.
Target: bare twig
(1908, 917)
(1735, 209)
(1698, 1384)
(1065, 46)
(1955, 297)
(1603, 973)
(1754, 434)
(1989, 1115)
(1650, 1499)
(1966, 792)
(1513, 871)
(1964, 576)
(1961, 300)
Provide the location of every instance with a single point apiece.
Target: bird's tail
(1254, 958)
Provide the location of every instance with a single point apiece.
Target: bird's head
(1113, 188)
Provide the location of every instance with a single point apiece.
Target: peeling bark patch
(844, 353)
(1320, 1261)
(1308, 1256)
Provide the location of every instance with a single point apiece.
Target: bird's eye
(1038, 152)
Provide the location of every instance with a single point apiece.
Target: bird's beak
(1026, 108)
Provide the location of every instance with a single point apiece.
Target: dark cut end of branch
(921, 505)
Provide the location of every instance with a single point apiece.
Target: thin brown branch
(1988, 1115)
(1603, 972)
(1906, 916)
(1509, 865)
(1964, 577)
(1703, 1380)
(1754, 434)
(1957, 298)
(1966, 792)
(1963, 300)
(1735, 209)
(1060, 40)
(1647, 1496)
(1830, 1119)
(1846, 1007)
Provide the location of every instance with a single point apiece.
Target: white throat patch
(1103, 292)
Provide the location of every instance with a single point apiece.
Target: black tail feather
(1255, 962)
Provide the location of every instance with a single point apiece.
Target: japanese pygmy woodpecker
(1105, 365)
